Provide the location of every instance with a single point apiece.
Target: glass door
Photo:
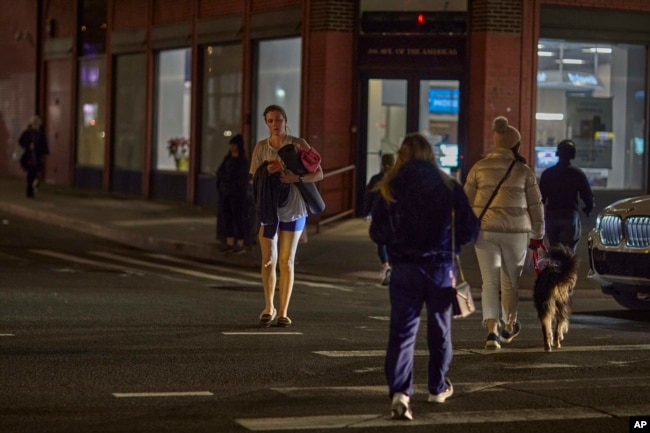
(386, 121)
(395, 106)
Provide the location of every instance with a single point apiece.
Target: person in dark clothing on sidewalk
(34, 144)
(562, 186)
(371, 196)
(232, 185)
(414, 219)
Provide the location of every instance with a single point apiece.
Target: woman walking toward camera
(281, 210)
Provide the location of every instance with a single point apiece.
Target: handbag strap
(455, 258)
(494, 193)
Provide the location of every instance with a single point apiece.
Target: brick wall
(636, 5)
(332, 15)
(265, 5)
(171, 11)
(18, 45)
(496, 16)
(129, 14)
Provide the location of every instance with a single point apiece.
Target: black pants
(563, 227)
(32, 175)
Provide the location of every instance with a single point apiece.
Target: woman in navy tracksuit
(414, 221)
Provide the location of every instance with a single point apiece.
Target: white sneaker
(401, 408)
(444, 395)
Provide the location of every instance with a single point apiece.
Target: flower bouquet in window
(179, 149)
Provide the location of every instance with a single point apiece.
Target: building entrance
(395, 106)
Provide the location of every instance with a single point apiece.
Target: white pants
(501, 258)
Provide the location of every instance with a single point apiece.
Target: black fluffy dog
(552, 295)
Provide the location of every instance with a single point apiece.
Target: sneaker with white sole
(444, 395)
(507, 337)
(401, 407)
(492, 341)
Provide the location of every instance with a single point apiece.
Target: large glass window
(172, 144)
(129, 121)
(278, 82)
(222, 95)
(91, 112)
(593, 94)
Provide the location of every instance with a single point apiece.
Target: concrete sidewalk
(341, 250)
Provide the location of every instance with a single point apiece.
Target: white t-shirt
(295, 207)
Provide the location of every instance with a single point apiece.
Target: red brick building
(115, 80)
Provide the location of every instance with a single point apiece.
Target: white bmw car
(619, 252)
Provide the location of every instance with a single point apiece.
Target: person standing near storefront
(232, 185)
(505, 196)
(35, 148)
(562, 186)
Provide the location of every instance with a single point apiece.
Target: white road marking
(542, 365)
(255, 275)
(382, 318)
(436, 418)
(262, 333)
(162, 394)
(201, 265)
(81, 260)
(172, 268)
(7, 335)
(377, 353)
(162, 221)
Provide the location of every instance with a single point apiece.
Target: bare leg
(269, 250)
(288, 246)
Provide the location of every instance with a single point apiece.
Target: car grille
(625, 264)
(638, 231)
(635, 229)
(611, 230)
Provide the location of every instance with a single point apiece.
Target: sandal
(284, 322)
(266, 319)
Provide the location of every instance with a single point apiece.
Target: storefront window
(90, 112)
(278, 82)
(222, 95)
(129, 132)
(594, 95)
(172, 146)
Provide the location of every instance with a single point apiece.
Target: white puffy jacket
(517, 207)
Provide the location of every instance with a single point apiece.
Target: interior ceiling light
(545, 53)
(597, 50)
(549, 116)
(571, 61)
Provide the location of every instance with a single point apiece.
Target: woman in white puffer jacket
(513, 221)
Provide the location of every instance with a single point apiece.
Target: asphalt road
(96, 337)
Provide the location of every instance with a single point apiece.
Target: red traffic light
(420, 19)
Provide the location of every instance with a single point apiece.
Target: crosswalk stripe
(172, 268)
(435, 418)
(81, 260)
(262, 333)
(162, 394)
(380, 353)
(245, 273)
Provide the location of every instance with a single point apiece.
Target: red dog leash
(538, 269)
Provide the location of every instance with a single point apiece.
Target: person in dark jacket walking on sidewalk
(562, 186)
(413, 219)
(370, 198)
(34, 144)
